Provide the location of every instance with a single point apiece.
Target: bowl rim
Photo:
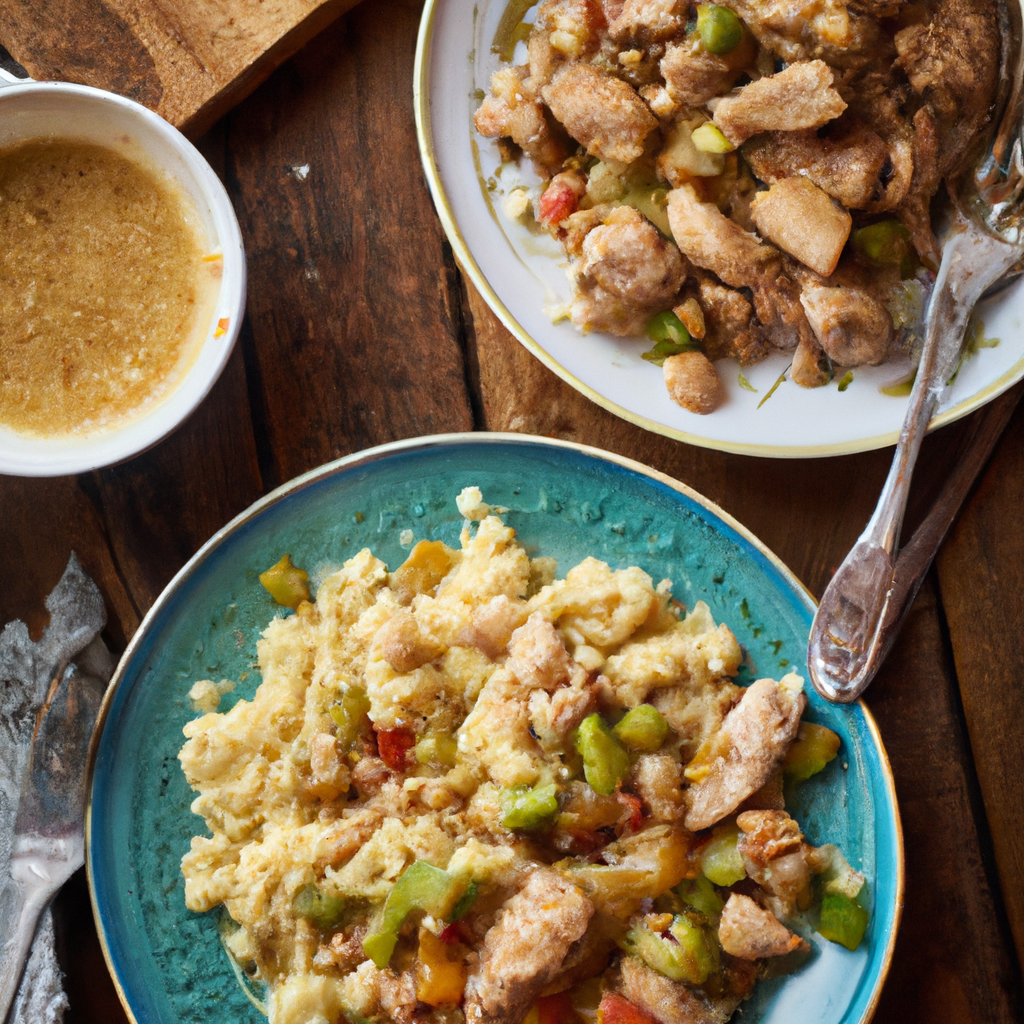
(381, 452)
(467, 262)
(50, 457)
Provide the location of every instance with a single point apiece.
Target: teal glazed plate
(564, 500)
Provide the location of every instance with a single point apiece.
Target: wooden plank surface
(189, 61)
(361, 330)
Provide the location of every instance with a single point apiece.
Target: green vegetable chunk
(437, 750)
(642, 729)
(286, 584)
(465, 902)
(348, 715)
(721, 860)
(690, 958)
(720, 30)
(700, 894)
(605, 761)
(318, 907)
(421, 887)
(843, 920)
(885, 244)
(670, 337)
(523, 807)
(813, 748)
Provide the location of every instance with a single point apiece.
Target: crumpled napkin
(26, 668)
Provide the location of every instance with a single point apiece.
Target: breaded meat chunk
(750, 932)
(801, 96)
(600, 111)
(525, 948)
(745, 752)
(671, 1002)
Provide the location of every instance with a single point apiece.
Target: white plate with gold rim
(521, 274)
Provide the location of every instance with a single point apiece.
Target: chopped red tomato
(394, 746)
(456, 932)
(634, 806)
(616, 1009)
(557, 1009)
(560, 198)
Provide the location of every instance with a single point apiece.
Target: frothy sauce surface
(105, 294)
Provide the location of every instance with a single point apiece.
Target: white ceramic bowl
(32, 110)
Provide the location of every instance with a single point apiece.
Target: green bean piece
(318, 907)
(843, 920)
(286, 584)
(642, 729)
(720, 30)
(605, 761)
(721, 860)
(523, 807)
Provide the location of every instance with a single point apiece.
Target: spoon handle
(847, 641)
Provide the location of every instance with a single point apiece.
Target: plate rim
(377, 453)
(424, 140)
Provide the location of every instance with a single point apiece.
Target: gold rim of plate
(375, 454)
(424, 136)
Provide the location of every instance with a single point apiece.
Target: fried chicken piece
(658, 780)
(671, 1002)
(775, 856)
(750, 932)
(787, 28)
(600, 111)
(846, 162)
(747, 750)
(852, 326)
(730, 327)
(648, 21)
(513, 111)
(693, 75)
(525, 948)
(693, 383)
(801, 96)
(804, 221)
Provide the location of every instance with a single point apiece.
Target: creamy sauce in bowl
(107, 289)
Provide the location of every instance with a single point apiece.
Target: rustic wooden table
(362, 330)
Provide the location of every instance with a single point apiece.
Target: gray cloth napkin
(26, 668)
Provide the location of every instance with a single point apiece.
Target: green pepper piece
(843, 920)
(421, 887)
(700, 894)
(691, 958)
(465, 902)
(721, 860)
(642, 729)
(605, 761)
(523, 807)
(437, 750)
(814, 747)
(670, 337)
(720, 30)
(885, 244)
(286, 584)
(318, 907)
(348, 715)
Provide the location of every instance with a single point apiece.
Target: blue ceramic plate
(564, 500)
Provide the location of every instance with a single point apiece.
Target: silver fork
(49, 841)
(856, 621)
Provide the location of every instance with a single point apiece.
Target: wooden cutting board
(189, 60)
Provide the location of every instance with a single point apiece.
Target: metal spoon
(857, 618)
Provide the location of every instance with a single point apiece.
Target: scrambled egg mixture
(465, 790)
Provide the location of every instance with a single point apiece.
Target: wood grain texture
(355, 331)
(190, 62)
(953, 961)
(981, 569)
